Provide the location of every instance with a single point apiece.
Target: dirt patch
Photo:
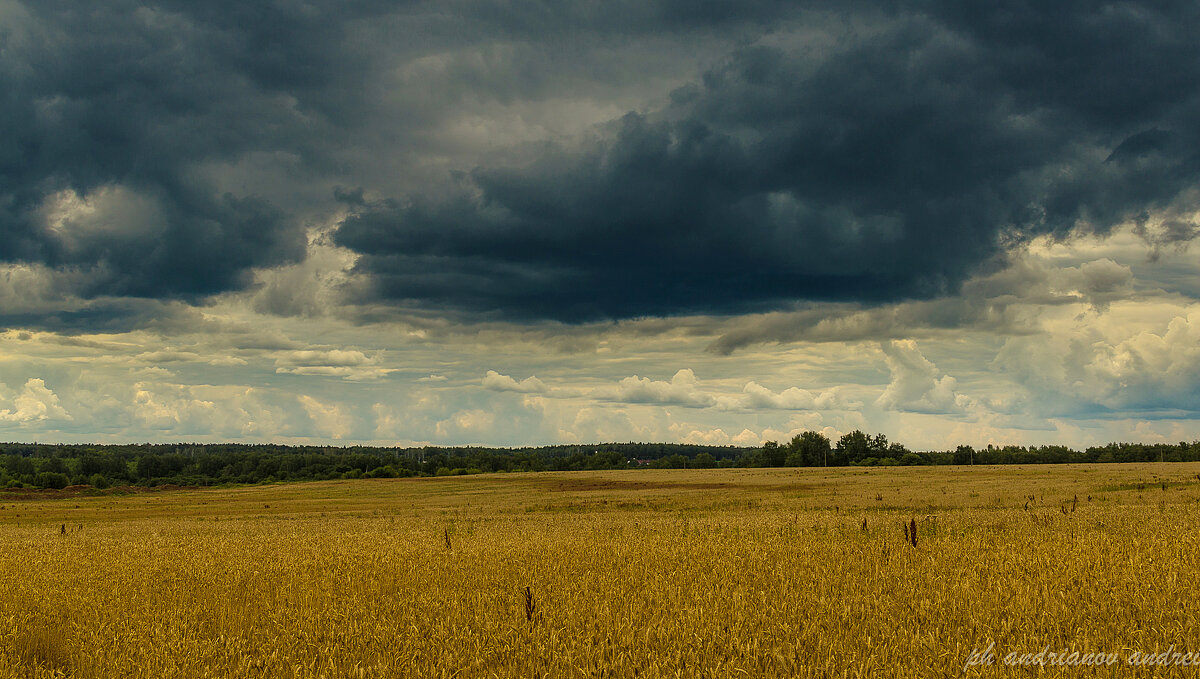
(84, 491)
(593, 484)
(575, 485)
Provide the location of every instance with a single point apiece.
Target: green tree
(54, 465)
(55, 480)
(19, 465)
(879, 443)
(854, 447)
(773, 454)
(812, 448)
(964, 455)
(151, 466)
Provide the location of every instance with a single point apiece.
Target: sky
(532, 222)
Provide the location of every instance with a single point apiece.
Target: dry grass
(39, 646)
(718, 573)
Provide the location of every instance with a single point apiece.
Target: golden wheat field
(714, 573)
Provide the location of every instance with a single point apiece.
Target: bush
(56, 480)
(671, 462)
(911, 459)
(99, 481)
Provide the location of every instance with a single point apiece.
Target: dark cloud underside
(889, 166)
(860, 152)
(119, 105)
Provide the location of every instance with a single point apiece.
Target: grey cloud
(848, 153)
(110, 114)
(350, 364)
(891, 166)
(340, 358)
(683, 389)
(856, 322)
(159, 357)
(167, 150)
(106, 315)
(1147, 373)
(1005, 302)
(1173, 233)
(1104, 281)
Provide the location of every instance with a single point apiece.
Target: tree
(106, 464)
(675, 461)
(964, 455)
(853, 447)
(54, 465)
(773, 454)
(812, 448)
(150, 466)
(56, 480)
(19, 465)
(879, 443)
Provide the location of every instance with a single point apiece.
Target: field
(714, 573)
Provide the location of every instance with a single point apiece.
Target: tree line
(32, 465)
(813, 449)
(25, 465)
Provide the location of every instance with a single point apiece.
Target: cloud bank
(667, 220)
(890, 165)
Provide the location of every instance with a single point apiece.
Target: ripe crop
(714, 573)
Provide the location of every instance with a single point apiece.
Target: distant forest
(34, 465)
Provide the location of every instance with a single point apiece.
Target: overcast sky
(535, 222)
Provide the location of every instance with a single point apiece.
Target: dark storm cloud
(107, 316)
(859, 152)
(115, 106)
(890, 165)
(118, 117)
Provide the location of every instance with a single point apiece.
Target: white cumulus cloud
(683, 389)
(917, 385)
(329, 419)
(497, 382)
(35, 403)
(755, 396)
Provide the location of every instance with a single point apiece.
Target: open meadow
(706, 573)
